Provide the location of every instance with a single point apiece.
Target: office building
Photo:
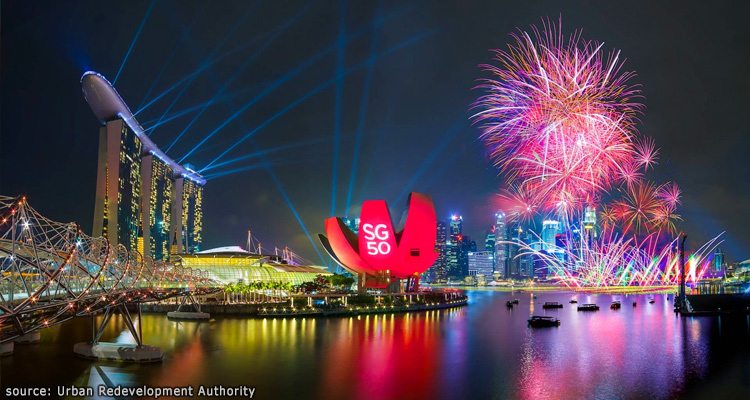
(501, 248)
(481, 264)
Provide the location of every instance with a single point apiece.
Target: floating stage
(191, 315)
(118, 352)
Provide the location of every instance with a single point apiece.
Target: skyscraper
(453, 250)
(525, 259)
(438, 272)
(718, 260)
(550, 230)
(589, 218)
(489, 240)
(467, 245)
(117, 205)
(156, 207)
(144, 200)
(501, 249)
(514, 261)
(188, 212)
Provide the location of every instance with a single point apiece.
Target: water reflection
(485, 351)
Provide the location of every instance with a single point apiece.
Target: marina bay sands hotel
(145, 200)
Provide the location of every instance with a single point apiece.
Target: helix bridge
(51, 272)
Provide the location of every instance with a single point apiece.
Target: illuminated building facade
(118, 185)
(453, 251)
(144, 200)
(501, 249)
(188, 214)
(489, 240)
(481, 265)
(235, 265)
(550, 229)
(352, 224)
(439, 271)
(467, 245)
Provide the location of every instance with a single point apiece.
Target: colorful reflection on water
(482, 351)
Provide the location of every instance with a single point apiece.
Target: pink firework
(647, 153)
(558, 117)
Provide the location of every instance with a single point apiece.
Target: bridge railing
(51, 272)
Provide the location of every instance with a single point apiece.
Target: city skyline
(377, 135)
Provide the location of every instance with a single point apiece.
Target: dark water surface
(481, 351)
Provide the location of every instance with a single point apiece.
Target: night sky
(409, 104)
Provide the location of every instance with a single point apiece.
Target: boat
(652, 301)
(588, 307)
(538, 321)
(515, 301)
(573, 301)
(635, 304)
(509, 304)
(535, 296)
(615, 305)
(551, 304)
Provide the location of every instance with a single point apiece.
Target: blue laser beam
(370, 60)
(172, 55)
(266, 151)
(438, 149)
(361, 121)
(375, 24)
(155, 122)
(444, 167)
(337, 112)
(237, 73)
(137, 33)
(215, 50)
(288, 202)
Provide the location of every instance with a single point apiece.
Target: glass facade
(160, 213)
(438, 272)
(192, 215)
(245, 268)
(501, 249)
(453, 251)
(482, 264)
(140, 202)
(128, 174)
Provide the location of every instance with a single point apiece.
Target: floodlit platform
(118, 352)
(188, 315)
(6, 349)
(29, 338)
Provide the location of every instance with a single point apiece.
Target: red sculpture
(381, 253)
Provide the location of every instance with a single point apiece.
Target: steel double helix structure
(51, 272)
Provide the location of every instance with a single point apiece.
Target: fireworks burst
(558, 117)
(558, 120)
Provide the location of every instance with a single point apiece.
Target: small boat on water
(535, 296)
(573, 301)
(615, 305)
(652, 301)
(552, 304)
(588, 307)
(635, 304)
(538, 321)
(515, 301)
(509, 304)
